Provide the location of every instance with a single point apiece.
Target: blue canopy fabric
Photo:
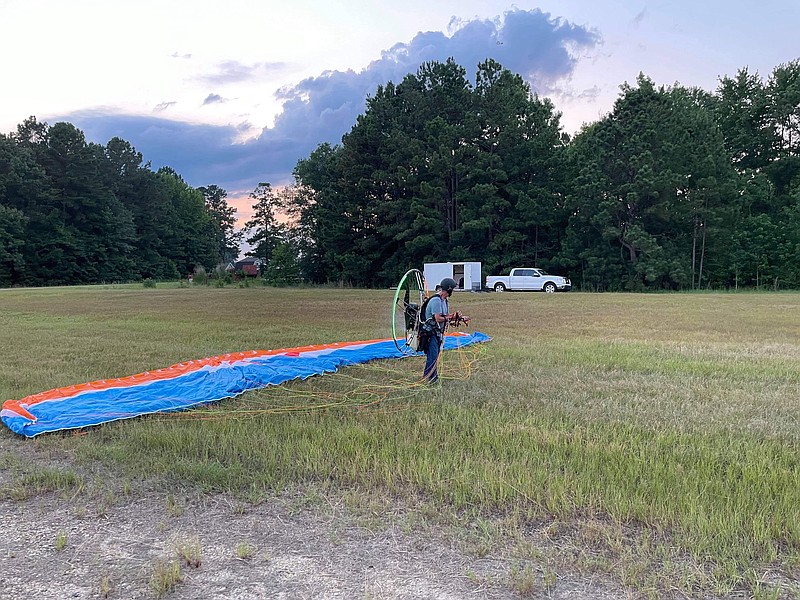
(193, 383)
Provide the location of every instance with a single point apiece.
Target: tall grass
(674, 416)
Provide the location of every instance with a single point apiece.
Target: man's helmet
(448, 285)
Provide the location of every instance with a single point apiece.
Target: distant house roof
(249, 261)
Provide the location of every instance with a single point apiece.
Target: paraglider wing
(192, 383)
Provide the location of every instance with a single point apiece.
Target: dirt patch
(108, 541)
(267, 551)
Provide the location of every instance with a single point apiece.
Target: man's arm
(438, 307)
(438, 314)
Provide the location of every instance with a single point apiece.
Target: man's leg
(431, 372)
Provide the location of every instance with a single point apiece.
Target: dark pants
(431, 372)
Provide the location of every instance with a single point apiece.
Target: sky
(234, 93)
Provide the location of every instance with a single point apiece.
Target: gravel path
(113, 544)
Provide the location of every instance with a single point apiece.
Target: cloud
(163, 106)
(591, 93)
(232, 71)
(201, 154)
(321, 109)
(213, 99)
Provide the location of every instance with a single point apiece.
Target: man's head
(448, 285)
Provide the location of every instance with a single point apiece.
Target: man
(437, 317)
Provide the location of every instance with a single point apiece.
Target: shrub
(220, 276)
(200, 276)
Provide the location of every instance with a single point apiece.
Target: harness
(427, 329)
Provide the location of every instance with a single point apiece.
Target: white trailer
(466, 274)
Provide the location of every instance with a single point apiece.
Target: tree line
(675, 188)
(73, 212)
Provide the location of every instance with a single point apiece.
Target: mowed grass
(652, 437)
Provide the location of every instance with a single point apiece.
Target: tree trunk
(451, 209)
(702, 256)
(694, 247)
(630, 248)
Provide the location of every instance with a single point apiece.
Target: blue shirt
(437, 306)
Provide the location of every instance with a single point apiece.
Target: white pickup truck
(528, 279)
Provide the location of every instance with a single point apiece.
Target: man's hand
(457, 319)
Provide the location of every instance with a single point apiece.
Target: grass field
(654, 438)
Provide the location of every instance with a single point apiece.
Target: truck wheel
(549, 287)
(499, 287)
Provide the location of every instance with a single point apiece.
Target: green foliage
(75, 212)
(220, 276)
(165, 576)
(244, 551)
(61, 541)
(742, 108)
(189, 242)
(434, 167)
(222, 221)
(783, 90)
(266, 232)
(33, 480)
(200, 276)
(648, 197)
(676, 188)
(283, 268)
(12, 245)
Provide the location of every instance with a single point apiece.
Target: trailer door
(458, 275)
